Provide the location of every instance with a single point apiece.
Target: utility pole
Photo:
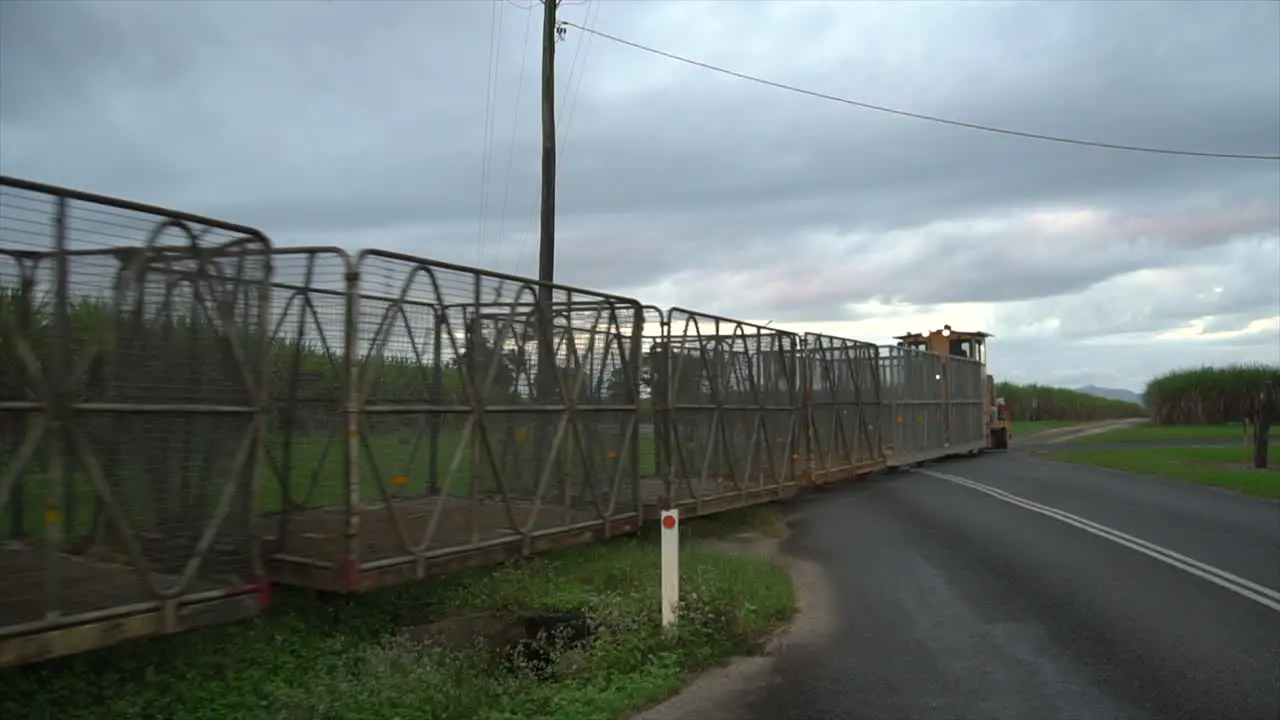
(547, 228)
(547, 369)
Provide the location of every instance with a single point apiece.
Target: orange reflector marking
(399, 480)
(668, 521)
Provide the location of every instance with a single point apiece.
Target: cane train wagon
(190, 415)
(965, 354)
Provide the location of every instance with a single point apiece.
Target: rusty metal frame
(914, 397)
(966, 407)
(841, 377)
(296, 305)
(654, 370)
(761, 473)
(530, 524)
(57, 402)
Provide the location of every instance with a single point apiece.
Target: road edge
(723, 693)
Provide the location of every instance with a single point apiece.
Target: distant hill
(1112, 393)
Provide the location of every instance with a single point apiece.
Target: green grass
(1028, 428)
(403, 460)
(318, 658)
(1219, 466)
(1147, 432)
(316, 477)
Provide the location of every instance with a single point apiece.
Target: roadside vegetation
(1209, 395)
(1248, 394)
(1227, 466)
(1039, 403)
(1149, 432)
(322, 658)
(1208, 425)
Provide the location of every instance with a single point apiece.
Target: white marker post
(670, 565)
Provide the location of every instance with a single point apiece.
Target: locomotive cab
(948, 343)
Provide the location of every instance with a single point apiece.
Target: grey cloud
(880, 172)
(1238, 322)
(363, 126)
(1126, 365)
(1234, 285)
(990, 264)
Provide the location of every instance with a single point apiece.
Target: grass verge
(1218, 466)
(1028, 428)
(316, 658)
(1147, 432)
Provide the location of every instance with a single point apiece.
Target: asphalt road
(948, 602)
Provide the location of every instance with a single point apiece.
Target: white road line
(1258, 593)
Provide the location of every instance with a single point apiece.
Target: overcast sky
(364, 125)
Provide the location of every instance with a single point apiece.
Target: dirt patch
(85, 583)
(749, 543)
(523, 640)
(1061, 435)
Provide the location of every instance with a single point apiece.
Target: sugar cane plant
(1042, 402)
(1216, 395)
(1207, 395)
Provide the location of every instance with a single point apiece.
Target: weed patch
(326, 658)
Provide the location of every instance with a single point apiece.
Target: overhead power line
(511, 148)
(490, 102)
(918, 116)
(565, 110)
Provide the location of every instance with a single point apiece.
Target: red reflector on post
(670, 566)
